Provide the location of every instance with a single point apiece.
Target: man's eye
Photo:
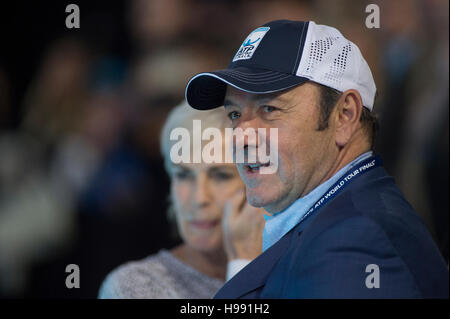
(269, 109)
(234, 115)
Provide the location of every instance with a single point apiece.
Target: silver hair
(183, 116)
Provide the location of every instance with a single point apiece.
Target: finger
(251, 210)
(234, 204)
(254, 214)
(243, 196)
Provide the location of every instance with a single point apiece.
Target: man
(339, 226)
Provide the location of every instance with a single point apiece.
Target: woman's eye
(181, 175)
(222, 176)
(233, 115)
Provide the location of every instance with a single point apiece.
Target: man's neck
(336, 162)
(344, 157)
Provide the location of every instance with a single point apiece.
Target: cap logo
(250, 44)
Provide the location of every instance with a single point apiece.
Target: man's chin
(257, 197)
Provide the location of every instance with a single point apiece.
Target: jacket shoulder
(371, 223)
(334, 264)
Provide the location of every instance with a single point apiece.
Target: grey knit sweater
(160, 276)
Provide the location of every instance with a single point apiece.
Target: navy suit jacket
(326, 255)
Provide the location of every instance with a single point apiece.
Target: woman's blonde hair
(182, 116)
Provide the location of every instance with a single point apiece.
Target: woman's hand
(243, 227)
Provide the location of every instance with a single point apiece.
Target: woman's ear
(348, 114)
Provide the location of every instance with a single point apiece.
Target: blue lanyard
(362, 168)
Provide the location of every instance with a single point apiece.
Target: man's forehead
(234, 96)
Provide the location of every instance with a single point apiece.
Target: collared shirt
(282, 222)
(235, 266)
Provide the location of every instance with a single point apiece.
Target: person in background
(207, 201)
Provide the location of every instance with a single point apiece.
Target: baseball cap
(282, 54)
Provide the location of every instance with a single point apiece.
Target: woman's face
(199, 193)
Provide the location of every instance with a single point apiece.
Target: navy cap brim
(207, 90)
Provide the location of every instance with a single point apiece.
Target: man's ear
(347, 116)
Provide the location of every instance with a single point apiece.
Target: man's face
(304, 153)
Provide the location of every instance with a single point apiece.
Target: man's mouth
(254, 168)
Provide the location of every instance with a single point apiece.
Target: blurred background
(81, 177)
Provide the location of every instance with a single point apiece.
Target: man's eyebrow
(228, 102)
(259, 98)
(270, 97)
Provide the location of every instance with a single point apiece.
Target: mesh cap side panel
(330, 59)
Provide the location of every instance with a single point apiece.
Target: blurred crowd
(81, 177)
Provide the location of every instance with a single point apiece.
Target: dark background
(81, 176)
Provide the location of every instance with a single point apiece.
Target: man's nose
(249, 127)
(246, 120)
(202, 196)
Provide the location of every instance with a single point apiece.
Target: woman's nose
(202, 192)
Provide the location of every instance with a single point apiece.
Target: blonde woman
(213, 248)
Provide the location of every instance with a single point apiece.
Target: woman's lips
(204, 224)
